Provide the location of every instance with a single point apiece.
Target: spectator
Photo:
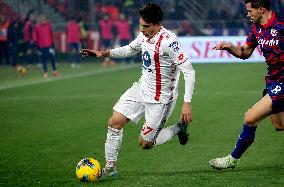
(43, 37)
(123, 31)
(4, 46)
(15, 38)
(28, 38)
(73, 39)
(187, 28)
(106, 26)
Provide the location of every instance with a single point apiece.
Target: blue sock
(246, 138)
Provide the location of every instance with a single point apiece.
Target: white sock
(112, 146)
(166, 134)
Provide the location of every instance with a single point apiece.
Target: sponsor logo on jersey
(146, 61)
(271, 42)
(175, 46)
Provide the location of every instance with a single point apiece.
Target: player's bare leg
(113, 143)
(277, 121)
(259, 111)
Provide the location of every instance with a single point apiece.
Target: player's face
(149, 29)
(254, 14)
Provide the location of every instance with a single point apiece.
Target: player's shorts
(132, 106)
(276, 93)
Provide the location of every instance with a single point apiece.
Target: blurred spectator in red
(123, 30)
(4, 45)
(109, 9)
(28, 38)
(106, 28)
(73, 35)
(113, 12)
(43, 37)
(187, 28)
(122, 26)
(15, 38)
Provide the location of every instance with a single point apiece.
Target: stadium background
(48, 125)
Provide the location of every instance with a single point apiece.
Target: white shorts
(132, 106)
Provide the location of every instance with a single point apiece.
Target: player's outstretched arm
(96, 53)
(242, 52)
(223, 46)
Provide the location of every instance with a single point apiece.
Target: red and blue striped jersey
(270, 38)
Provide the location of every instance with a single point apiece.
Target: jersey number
(146, 129)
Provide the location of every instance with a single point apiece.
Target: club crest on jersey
(274, 32)
(175, 46)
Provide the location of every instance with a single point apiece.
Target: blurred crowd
(29, 39)
(226, 20)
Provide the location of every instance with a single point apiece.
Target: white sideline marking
(83, 74)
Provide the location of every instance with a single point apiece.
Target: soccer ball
(88, 170)
(21, 70)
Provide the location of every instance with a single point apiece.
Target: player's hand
(223, 46)
(89, 52)
(186, 113)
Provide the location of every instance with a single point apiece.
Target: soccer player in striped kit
(155, 94)
(266, 31)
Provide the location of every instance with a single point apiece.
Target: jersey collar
(152, 40)
(270, 21)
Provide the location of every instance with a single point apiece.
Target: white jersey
(163, 58)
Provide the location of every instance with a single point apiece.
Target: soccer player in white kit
(155, 94)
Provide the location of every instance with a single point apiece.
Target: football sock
(166, 134)
(246, 138)
(112, 145)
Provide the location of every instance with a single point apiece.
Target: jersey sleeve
(129, 50)
(181, 60)
(189, 80)
(175, 52)
(251, 38)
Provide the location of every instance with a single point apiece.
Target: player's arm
(243, 52)
(129, 50)
(181, 60)
(95, 53)
(189, 79)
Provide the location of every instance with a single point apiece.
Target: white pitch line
(64, 77)
(49, 97)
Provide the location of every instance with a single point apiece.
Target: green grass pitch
(47, 126)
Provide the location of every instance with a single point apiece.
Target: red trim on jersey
(158, 68)
(273, 15)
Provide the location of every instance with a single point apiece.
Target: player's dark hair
(151, 13)
(259, 3)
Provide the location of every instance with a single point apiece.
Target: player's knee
(277, 124)
(249, 119)
(117, 120)
(115, 123)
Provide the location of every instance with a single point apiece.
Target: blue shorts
(276, 93)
